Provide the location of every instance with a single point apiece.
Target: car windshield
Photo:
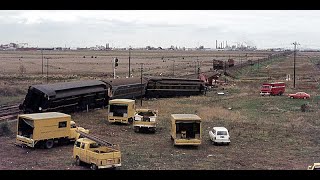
(222, 133)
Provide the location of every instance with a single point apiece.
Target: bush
(305, 107)
(4, 129)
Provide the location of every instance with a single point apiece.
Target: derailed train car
(171, 87)
(126, 88)
(66, 96)
(89, 94)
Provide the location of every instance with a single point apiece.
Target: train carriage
(171, 87)
(126, 88)
(66, 96)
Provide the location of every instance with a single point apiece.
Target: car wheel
(291, 97)
(93, 167)
(304, 97)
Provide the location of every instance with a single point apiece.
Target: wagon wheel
(48, 144)
(93, 167)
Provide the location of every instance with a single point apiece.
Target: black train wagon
(172, 87)
(66, 96)
(126, 88)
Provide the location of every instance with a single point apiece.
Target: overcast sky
(140, 28)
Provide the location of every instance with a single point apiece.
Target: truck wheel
(291, 97)
(48, 144)
(78, 161)
(130, 120)
(93, 167)
(136, 129)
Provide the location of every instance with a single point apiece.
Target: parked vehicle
(186, 129)
(145, 119)
(276, 88)
(219, 135)
(315, 166)
(96, 152)
(46, 129)
(299, 95)
(121, 110)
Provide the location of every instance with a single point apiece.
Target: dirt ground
(266, 132)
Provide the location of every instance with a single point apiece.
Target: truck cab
(145, 119)
(186, 129)
(276, 88)
(98, 156)
(121, 111)
(74, 135)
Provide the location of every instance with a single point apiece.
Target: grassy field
(267, 132)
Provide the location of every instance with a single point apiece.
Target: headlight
(125, 115)
(40, 108)
(152, 119)
(110, 113)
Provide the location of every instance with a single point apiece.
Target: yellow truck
(121, 111)
(45, 129)
(315, 166)
(145, 119)
(96, 152)
(186, 129)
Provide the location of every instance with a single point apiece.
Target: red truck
(276, 88)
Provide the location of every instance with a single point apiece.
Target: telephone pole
(129, 61)
(141, 84)
(294, 64)
(42, 60)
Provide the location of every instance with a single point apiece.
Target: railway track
(9, 112)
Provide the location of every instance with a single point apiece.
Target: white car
(219, 135)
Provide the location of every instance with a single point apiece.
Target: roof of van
(185, 117)
(47, 115)
(121, 100)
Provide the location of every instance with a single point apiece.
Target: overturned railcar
(159, 87)
(127, 88)
(66, 96)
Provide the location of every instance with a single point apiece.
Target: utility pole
(47, 70)
(141, 84)
(129, 61)
(173, 66)
(42, 60)
(294, 64)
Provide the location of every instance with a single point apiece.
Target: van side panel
(51, 128)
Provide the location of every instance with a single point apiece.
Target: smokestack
(216, 44)
(222, 44)
(226, 43)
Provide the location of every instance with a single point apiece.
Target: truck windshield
(222, 133)
(265, 87)
(94, 145)
(118, 110)
(146, 113)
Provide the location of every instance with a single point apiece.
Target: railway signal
(115, 64)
